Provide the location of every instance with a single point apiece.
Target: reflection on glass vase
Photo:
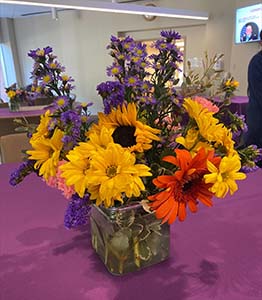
(14, 106)
(127, 238)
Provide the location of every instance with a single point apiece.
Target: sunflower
(113, 173)
(224, 177)
(127, 130)
(184, 187)
(46, 152)
(42, 129)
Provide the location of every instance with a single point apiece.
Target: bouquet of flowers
(165, 146)
(16, 96)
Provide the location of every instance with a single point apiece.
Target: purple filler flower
(77, 211)
(21, 172)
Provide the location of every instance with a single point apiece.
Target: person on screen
(249, 34)
(254, 92)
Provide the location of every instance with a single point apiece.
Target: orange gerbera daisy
(185, 187)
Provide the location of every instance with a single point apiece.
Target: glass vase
(14, 106)
(127, 238)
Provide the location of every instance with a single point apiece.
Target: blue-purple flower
(77, 212)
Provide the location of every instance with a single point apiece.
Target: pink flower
(52, 181)
(68, 191)
(207, 104)
(59, 182)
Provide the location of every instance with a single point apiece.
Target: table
(239, 104)
(7, 125)
(215, 254)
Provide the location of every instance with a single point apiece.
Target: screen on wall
(248, 24)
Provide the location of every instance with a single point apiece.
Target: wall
(80, 38)
(242, 53)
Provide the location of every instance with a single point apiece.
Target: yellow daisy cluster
(46, 152)
(105, 169)
(232, 83)
(11, 94)
(209, 134)
(101, 166)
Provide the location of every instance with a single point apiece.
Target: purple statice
(77, 211)
(257, 152)
(71, 123)
(251, 157)
(112, 93)
(249, 168)
(21, 172)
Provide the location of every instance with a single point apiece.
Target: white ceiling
(20, 11)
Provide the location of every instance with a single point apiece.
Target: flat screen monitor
(248, 24)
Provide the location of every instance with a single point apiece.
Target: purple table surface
(215, 254)
(6, 114)
(239, 99)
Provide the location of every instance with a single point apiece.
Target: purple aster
(64, 78)
(132, 81)
(128, 43)
(170, 34)
(61, 102)
(114, 70)
(77, 212)
(39, 52)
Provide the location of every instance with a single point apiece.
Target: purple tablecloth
(215, 254)
(5, 113)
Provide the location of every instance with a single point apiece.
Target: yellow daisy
(11, 94)
(127, 130)
(42, 129)
(192, 141)
(74, 171)
(224, 177)
(46, 152)
(113, 172)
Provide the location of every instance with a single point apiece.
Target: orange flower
(185, 187)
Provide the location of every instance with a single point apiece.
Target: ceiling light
(115, 7)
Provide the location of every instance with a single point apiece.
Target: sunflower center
(125, 136)
(111, 171)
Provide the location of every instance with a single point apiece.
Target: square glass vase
(127, 238)
(14, 106)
